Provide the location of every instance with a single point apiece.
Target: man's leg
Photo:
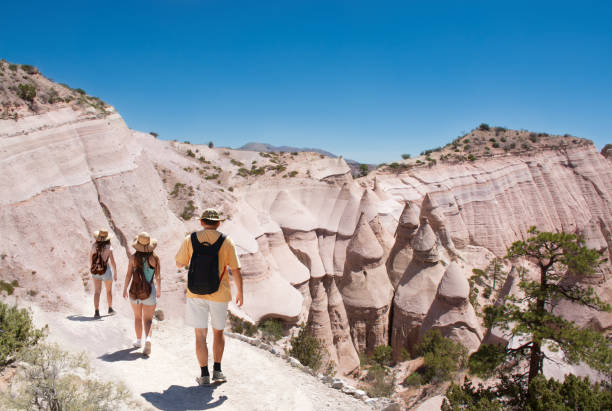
(201, 347)
(218, 314)
(218, 345)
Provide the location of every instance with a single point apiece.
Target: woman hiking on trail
(99, 257)
(142, 269)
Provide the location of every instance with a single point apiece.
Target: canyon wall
(373, 261)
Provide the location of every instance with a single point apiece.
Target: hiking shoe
(111, 311)
(137, 344)
(218, 376)
(147, 348)
(97, 314)
(203, 380)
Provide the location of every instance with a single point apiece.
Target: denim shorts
(150, 300)
(107, 276)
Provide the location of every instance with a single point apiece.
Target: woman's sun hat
(144, 243)
(101, 235)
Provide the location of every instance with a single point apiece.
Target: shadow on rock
(127, 354)
(177, 398)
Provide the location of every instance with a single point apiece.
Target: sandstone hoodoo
(372, 261)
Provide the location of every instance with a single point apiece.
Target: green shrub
(413, 380)
(307, 349)
(496, 145)
(363, 170)
(13, 67)
(236, 163)
(294, 153)
(190, 153)
(80, 91)
(26, 92)
(188, 211)
(533, 137)
(293, 173)
(153, 133)
(405, 156)
(29, 69)
(18, 332)
(8, 287)
(240, 326)
(442, 356)
(56, 380)
(381, 384)
(484, 361)
(484, 127)
(272, 329)
(210, 144)
(394, 165)
(177, 189)
(382, 355)
(53, 96)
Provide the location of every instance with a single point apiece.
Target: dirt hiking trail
(257, 380)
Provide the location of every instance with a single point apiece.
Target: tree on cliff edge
(562, 259)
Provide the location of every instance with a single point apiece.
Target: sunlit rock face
(366, 288)
(373, 261)
(451, 311)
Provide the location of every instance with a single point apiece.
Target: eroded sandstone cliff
(374, 261)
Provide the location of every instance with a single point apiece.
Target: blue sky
(368, 80)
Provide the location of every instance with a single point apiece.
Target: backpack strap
(217, 245)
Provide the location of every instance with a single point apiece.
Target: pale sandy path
(257, 380)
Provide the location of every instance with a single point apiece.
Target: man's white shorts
(198, 309)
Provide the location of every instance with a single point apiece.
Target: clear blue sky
(368, 80)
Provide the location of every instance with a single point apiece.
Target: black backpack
(203, 277)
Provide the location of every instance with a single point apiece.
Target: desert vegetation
(529, 318)
(46, 377)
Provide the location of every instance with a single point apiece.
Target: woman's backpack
(98, 263)
(140, 288)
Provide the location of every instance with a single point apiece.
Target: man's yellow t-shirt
(227, 257)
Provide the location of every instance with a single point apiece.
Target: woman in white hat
(143, 268)
(99, 258)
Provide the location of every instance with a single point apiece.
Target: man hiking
(209, 253)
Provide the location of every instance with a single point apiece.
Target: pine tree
(530, 317)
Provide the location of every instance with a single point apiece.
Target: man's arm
(238, 280)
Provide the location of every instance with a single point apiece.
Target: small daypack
(203, 277)
(140, 288)
(98, 263)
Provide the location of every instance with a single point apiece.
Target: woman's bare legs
(97, 291)
(109, 293)
(138, 308)
(147, 313)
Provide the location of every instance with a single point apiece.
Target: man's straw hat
(144, 243)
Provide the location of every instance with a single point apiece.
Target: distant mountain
(269, 148)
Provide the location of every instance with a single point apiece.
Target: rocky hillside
(370, 261)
